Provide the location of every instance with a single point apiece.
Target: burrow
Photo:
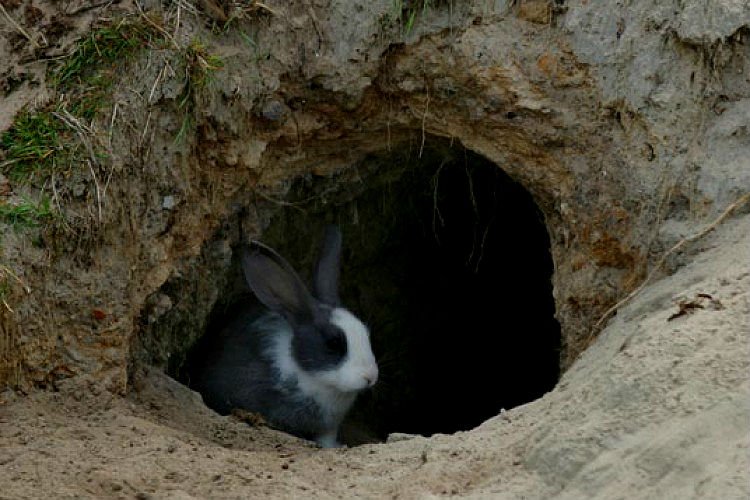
(446, 259)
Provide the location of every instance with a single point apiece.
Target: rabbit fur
(300, 364)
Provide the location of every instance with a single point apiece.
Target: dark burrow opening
(447, 260)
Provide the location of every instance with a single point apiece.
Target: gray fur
(302, 363)
(238, 372)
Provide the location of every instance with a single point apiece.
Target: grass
(5, 292)
(259, 55)
(243, 10)
(32, 143)
(61, 136)
(407, 12)
(101, 51)
(200, 67)
(49, 140)
(26, 214)
(7, 279)
(40, 143)
(89, 71)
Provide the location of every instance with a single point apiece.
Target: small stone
(169, 202)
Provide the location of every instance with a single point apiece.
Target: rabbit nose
(371, 377)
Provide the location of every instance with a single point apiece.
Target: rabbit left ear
(276, 284)
(326, 275)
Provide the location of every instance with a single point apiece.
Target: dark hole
(447, 260)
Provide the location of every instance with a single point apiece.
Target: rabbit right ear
(326, 276)
(276, 284)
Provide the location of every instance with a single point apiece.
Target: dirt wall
(627, 129)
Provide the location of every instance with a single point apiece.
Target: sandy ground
(656, 408)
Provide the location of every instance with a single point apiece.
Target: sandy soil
(656, 408)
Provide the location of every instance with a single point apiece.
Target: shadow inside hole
(447, 260)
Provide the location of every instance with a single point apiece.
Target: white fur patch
(359, 369)
(335, 389)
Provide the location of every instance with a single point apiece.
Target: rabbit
(300, 364)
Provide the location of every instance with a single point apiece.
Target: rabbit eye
(336, 342)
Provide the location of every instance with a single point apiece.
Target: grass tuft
(38, 142)
(31, 143)
(5, 292)
(89, 71)
(406, 12)
(95, 56)
(26, 214)
(42, 142)
(200, 66)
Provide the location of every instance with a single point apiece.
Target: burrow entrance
(447, 260)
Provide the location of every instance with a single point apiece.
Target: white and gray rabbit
(300, 364)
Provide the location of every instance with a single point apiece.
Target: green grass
(200, 67)
(26, 214)
(185, 127)
(95, 56)
(89, 71)
(31, 144)
(38, 142)
(406, 13)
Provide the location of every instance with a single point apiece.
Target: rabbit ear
(276, 284)
(326, 278)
